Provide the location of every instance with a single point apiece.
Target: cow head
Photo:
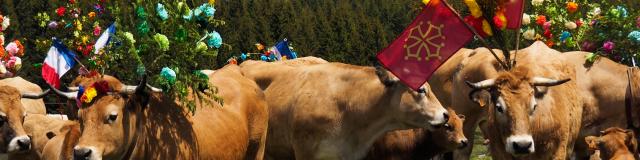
(511, 101)
(452, 132)
(612, 140)
(110, 120)
(14, 138)
(416, 108)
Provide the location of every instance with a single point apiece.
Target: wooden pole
(482, 40)
(515, 54)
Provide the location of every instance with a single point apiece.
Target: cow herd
(549, 105)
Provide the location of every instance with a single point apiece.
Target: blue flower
(264, 58)
(168, 74)
(187, 16)
(208, 10)
(243, 56)
(294, 55)
(634, 36)
(215, 40)
(162, 13)
(623, 12)
(564, 36)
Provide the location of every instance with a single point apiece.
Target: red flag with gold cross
(435, 35)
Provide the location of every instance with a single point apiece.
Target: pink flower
(546, 25)
(608, 46)
(96, 31)
(12, 48)
(12, 62)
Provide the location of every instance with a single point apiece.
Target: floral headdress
(86, 94)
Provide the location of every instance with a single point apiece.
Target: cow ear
(631, 141)
(461, 116)
(385, 78)
(481, 97)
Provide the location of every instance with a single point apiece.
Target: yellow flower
(426, 2)
(85, 39)
(486, 28)
(212, 2)
(90, 93)
(92, 14)
(474, 8)
(78, 25)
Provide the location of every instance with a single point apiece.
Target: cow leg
(258, 127)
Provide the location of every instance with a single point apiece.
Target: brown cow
(522, 121)
(131, 123)
(604, 87)
(335, 110)
(420, 143)
(615, 143)
(38, 127)
(61, 143)
(14, 106)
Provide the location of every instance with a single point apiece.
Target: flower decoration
(169, 75)
(550, 42)
(143, 27)
(500, 20)
(162, 13)
(622, 12)
(162, 40)
(141, 13)
(72, 1)
(96, 30)
(53, 25)
(264, 58)
(571, 25)
(12, 48)
(243, 56)
(526, 19)
(474, 8)
(572, 7)
(89, 94)
(537, 2)
(608, 46)
(78, 25)
(3, 69)
(181, 34)
(43, 18)
(588, 46)
(98, 8)
(201, 47)
(207, 9)
(20, 52)
(5, 23)
(547, 33)
(634, 36)
(546, 25)
(579, 23)
(61, 10)
(129, 37)
(564, 36)
(541, 19)
(215, 40)
(92, 14)
(426, 2)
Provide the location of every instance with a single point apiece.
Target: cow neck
(132, 147)
(628, 101)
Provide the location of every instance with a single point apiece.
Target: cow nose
(81, 153)
(446, 116)
(24, 144)
(522, 147)
(463, 143)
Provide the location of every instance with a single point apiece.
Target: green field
(480, 151)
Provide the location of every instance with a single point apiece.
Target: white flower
(596, 11)
(570, 25)
(5, 23)
(536, 2)
(18, 63)
(526, 19)
(1, 40)
(3, 69)
(529, 34)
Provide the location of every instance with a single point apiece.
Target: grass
(480, 151)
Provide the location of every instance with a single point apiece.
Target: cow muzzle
(440, 117)
(20, 144)
(520, 145)
(85, 153)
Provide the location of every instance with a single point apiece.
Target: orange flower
(92, 14)
(572, 7)
(550, 43)
(500, 20)
(21, 47)
(541, 19)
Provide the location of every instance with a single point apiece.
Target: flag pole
(482, 40)
(515, 54)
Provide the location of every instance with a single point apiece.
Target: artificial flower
(84, 39)
(426, 2)
(181, 34)
(92, 14)
(101, 86)
(87, 50)
(526, 19)
(500, 20)
(486, 28)
(215, 40)
(622, 12)
(12, 48)
(572, 7)
(537, 2)
(143, 27)
(213, 2)
(129, 37)
(474, 8)
(201, 47)
(243, 56)
(579, 23)
(20, 48)
(207, 9)
(1, 40)
(3, 69)
(185, 10)
(591, 57)
(98, 8)
(570, 25)
(530, 34)
(550, 42)
(5, 23)
(89, 94)
(72, 1)
(547, 33)
(596, 11)
(608, 46)
(141, 13)
(259, 46)
(546, 25)
(43, 18)
(232, 61)
(162, 13)
(97, 30)
(264, 58)
(53, 25)
(168, 74)
(14, 63)
(634, 36)
(78, 25)
(162, 40)
(541, 19)
(61, 10)
(564, 35)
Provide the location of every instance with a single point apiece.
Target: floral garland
(10, 61)
(88, 93)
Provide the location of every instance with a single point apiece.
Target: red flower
(579, 23)
(572, 7)
(101, 86)
(87, 50)
(72, 1)
(550, 43)
(541, 19)
(548, 34)
(61, 10)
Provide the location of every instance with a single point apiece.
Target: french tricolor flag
(59, 60)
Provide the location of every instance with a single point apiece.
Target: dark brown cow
(132, 123)
(420, 143)
(615, 144)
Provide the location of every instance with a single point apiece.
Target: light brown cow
(335, 110)
(15, 104)
(592, 147)
(131, 123)
(38, 127)
(522, 121)
(420, 143)
(604, 86)
(61, 143)
(615, 144)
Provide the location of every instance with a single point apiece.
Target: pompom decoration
(162, 13)
(162, 40)
(207, 9)
(530, 34)
(570, 25)
(546, 25)
(541, 19)
(634, 36)
(550, 43)
(140, 13)
(181, 34)
(215, 40)
(588, 46)
(169, 75)
(572, 7)
(20, 48)
(564, 36)
(526, 19)
(608, 46)
(92, 14)
(579, 23)
(547, 33)
(89, 94)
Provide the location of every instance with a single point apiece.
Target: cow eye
(448, 127)
(112, 117)
(422, 90)
(3, 119)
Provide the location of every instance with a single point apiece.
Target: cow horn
(73, 88)
(154, 89)
(129, 89)
(70, 95)
(35, 96)
(541, 81)
(482, 84)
